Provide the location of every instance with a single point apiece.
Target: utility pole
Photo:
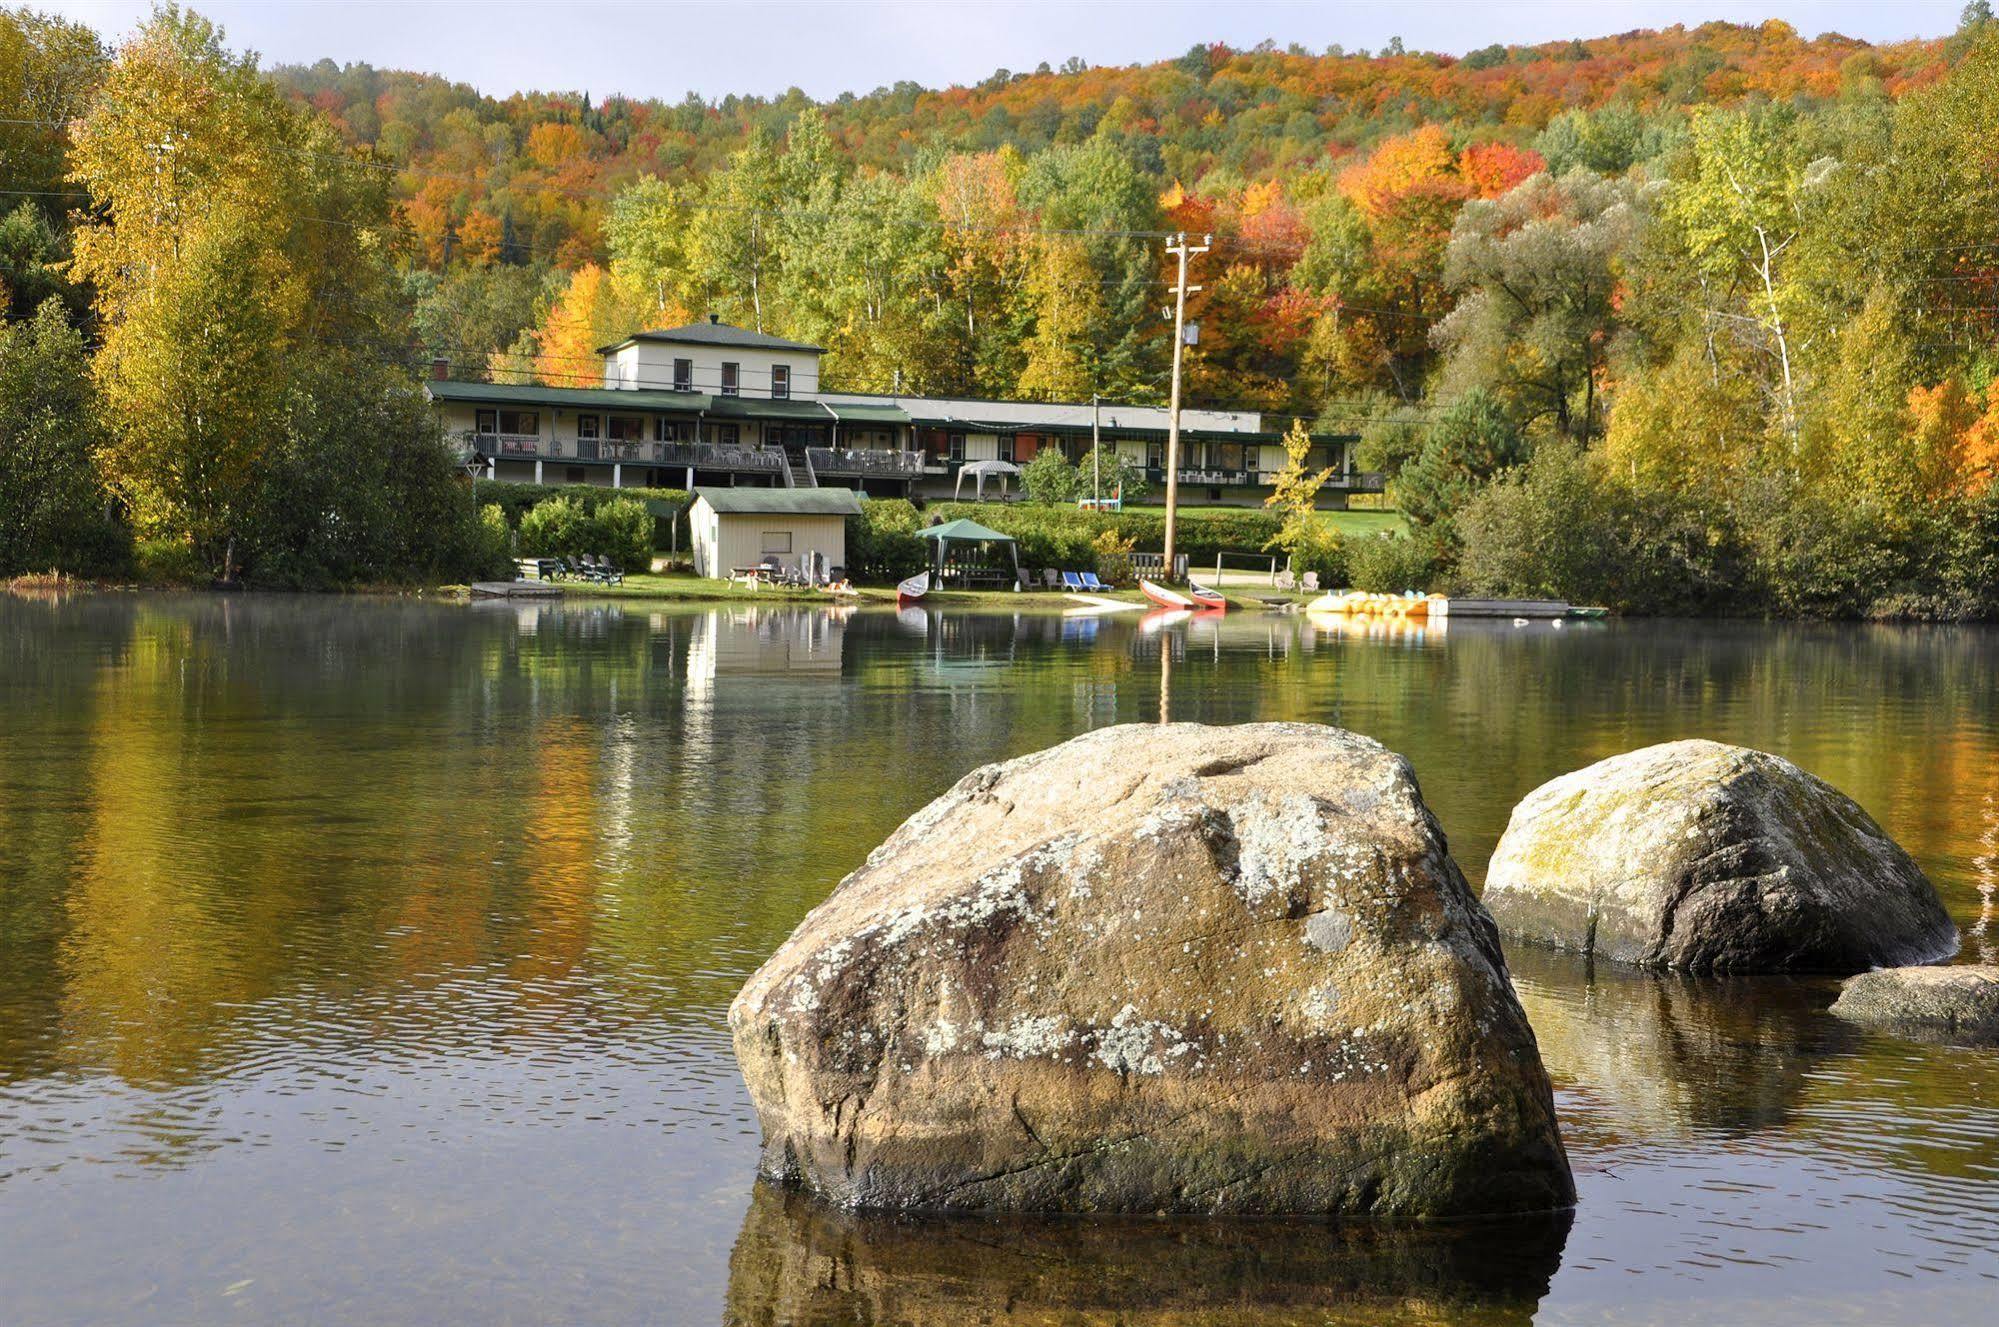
(1181, 249)
(1096, 451)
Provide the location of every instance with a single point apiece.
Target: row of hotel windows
(613, 428)
(732, 378)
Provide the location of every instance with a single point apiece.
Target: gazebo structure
(972, 534)
(979, 470)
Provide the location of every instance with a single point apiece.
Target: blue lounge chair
(1071, 581)
(1090, 582)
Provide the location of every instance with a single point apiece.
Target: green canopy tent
(971, 533)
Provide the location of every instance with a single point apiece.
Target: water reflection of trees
(233, 820)
(801, 1264)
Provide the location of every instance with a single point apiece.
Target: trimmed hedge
(516, 500)
(882, 543)
(1052, 536)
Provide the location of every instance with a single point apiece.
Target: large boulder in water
(1959, 1003)
(1157, 969)
(1702, 857)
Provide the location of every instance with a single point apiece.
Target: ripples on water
(366, 962)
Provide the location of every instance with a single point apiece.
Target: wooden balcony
(699, 455)
(865, 464)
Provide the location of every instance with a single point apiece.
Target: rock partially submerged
(1157, 969)
(1701, 857)
(1958, 1003)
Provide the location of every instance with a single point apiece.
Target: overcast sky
(765, 46)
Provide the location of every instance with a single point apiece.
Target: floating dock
(515, 590)
(1508, 608)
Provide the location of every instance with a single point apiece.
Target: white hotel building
(713, 404)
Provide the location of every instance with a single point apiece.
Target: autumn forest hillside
(1697, 320)
(573, 218)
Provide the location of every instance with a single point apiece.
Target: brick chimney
(440, 369)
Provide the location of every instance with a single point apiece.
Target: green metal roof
(964, 531)
(607, 399)
(749, 501)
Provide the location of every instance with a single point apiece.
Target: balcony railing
(700, 455)
(1360, 481)
(869, 464)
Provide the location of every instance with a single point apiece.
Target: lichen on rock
(1701, 857)
(1153, 969)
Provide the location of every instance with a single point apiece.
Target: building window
(777, 541)
(486, 422)
(625, 428)
(586, 426)
(955, 447)
(665, 430)
(683, 375)
(731, 373)
(1155, 455)
(723, 434)
(1006, 446)
(520, 423)
(780, 381)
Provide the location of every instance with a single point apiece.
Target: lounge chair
(1311, 580)
(608, 571)
(1090, 582)
(1286, 580)
(1051, 578)
(1071, 581)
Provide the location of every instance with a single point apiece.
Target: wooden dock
(515, 590)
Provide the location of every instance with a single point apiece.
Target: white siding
(649, 364)
(725, 541)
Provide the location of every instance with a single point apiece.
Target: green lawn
(1352, 523)
(1346, 522)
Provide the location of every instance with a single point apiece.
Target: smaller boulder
(1700, 857)
(1952, 1003)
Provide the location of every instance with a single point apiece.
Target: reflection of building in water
(757, 641)
(802, 1263)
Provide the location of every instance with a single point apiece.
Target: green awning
(867, 414)
(762, 407)
(964, 531)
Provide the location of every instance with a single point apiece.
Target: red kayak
(1208, 599)
(909, 591)
(1164, 597)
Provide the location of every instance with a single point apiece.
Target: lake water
(365, 962)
